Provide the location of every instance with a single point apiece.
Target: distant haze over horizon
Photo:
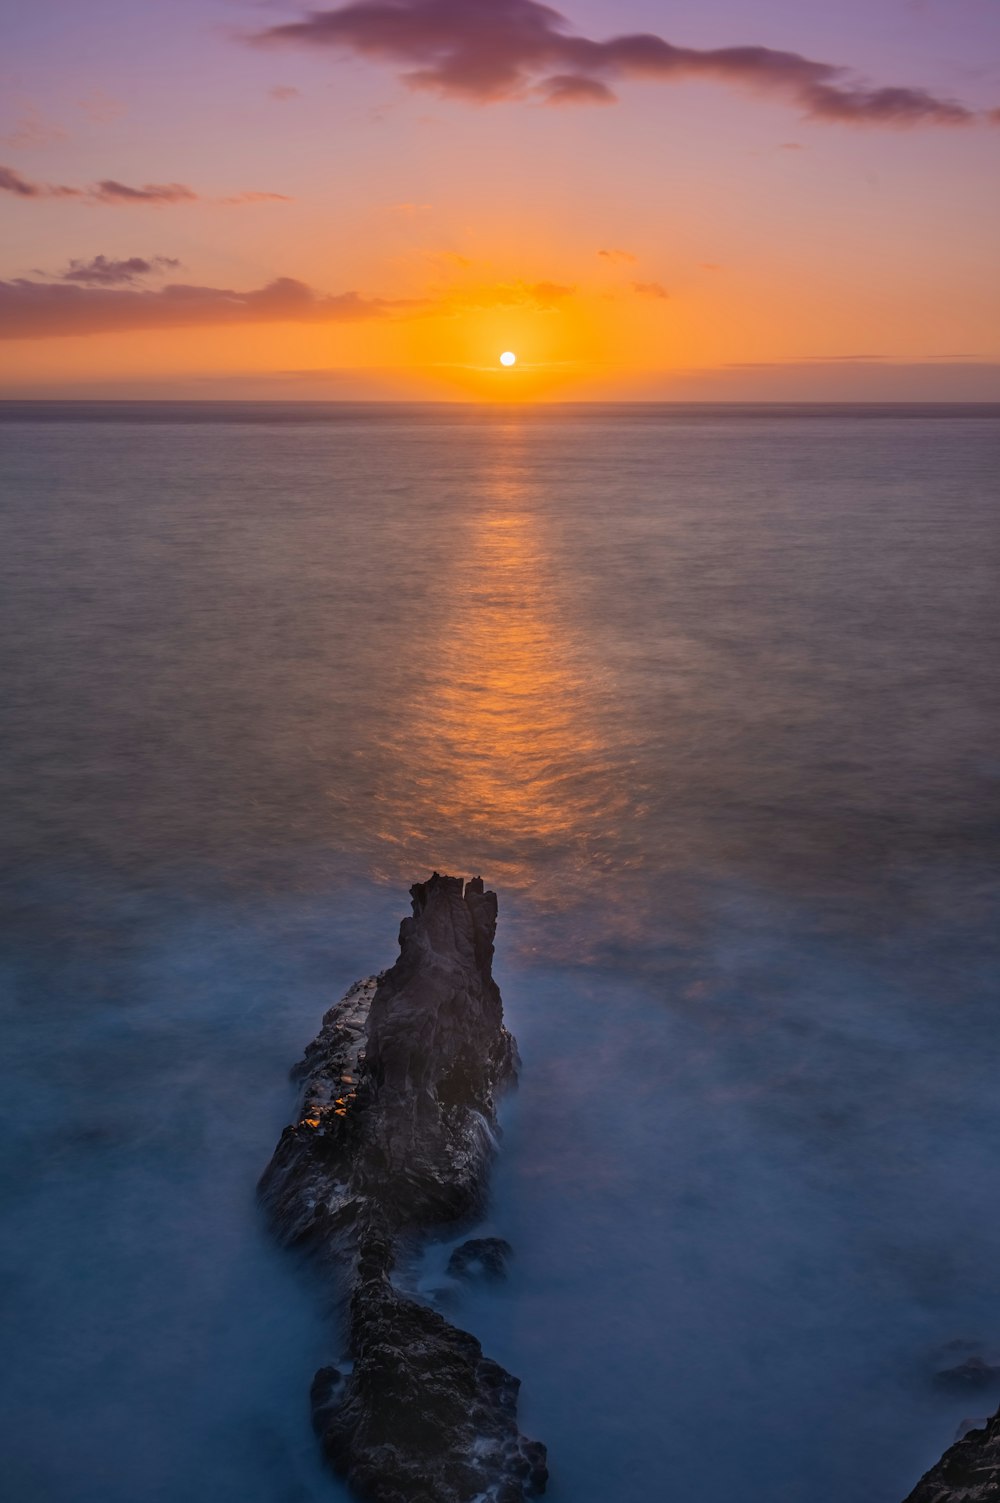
(792, 386)
(773, 201)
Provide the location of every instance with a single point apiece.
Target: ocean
(710, 696)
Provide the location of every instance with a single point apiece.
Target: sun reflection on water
(500, 759)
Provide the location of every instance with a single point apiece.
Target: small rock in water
(481, 1258)
(973, 1373)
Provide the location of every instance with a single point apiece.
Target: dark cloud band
(38, 310)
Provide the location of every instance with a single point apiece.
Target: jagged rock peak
(436, 1024)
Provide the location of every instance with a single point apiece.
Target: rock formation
(968, 1473)
(394, 1139)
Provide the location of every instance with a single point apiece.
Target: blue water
(710, 696)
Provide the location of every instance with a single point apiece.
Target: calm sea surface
(711, 697)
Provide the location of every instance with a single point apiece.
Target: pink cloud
(486, 50)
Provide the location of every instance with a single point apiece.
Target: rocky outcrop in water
(481, 1258)
(968, 1473)
(394, 1139)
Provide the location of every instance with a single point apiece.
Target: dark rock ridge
(394, 1138)
(968, 1473)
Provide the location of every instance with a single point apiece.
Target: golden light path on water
(501, 759)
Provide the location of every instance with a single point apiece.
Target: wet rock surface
(394, 1138)
(968, 1473)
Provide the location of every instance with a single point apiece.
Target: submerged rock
(973, 1374)
(481, 1258)
(394, 1137)
(968, 1473)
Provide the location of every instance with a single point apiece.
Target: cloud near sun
(488, 50)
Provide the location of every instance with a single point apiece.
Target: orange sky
(351, 208)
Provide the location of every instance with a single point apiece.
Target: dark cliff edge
(394, 1138)
(968, 1473)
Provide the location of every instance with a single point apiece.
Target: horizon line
(505, 405)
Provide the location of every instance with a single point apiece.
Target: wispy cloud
(252, 198)
(449, 258)
(650, 289)
(37, 310)
(618, 257)
(488, 50)
(32, 129)
(103, 271)
(101, 108)
(543, 297)
(111, 192)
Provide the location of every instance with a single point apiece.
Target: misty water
(710, 697)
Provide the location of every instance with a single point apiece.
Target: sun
(508, 357)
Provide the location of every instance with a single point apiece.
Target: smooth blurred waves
(710, 695)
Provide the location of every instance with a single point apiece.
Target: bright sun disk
(508, 357)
